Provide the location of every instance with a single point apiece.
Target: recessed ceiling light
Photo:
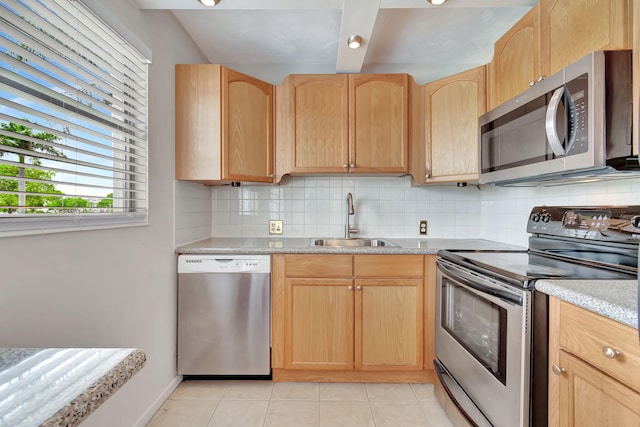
(436, 2)
(354, 42)
(209, 2)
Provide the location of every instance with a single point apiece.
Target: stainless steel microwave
(575, 126)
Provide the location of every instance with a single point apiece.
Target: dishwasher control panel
(224, 264)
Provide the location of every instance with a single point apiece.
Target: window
(73, 120)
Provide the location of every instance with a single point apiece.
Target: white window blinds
(73, 120)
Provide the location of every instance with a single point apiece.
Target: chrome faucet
(350, 211)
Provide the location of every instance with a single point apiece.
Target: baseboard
(292, 375)
(153, 408)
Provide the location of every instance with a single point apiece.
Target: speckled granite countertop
(615, 299)
(55, 387)
(302, 245)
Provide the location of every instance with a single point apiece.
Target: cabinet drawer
(588, 335)
(389, 265)
(318, 265)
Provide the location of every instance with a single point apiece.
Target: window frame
(134, 208)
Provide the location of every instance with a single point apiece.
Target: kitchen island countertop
(615, 299)
(60, 386)
(303, 245)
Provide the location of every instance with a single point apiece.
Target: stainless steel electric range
(492, 327)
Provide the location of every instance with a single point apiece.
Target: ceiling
(270, 39)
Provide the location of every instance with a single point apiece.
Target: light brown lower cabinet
(594, 369)
(350, 318)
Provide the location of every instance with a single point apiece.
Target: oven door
(482, 341)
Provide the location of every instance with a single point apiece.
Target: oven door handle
(467, 279)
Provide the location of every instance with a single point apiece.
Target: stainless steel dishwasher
(224, 315)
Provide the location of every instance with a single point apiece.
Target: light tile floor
(206, 403)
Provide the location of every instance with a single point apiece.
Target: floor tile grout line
(266, 414)
(373, 418)
(212, 413)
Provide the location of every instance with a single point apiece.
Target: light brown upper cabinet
(570, 29)
(312, 124)
(516, 63)
(224, 125)
(452, 108)
(342, 124)
(378, 123)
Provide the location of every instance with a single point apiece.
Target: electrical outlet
(275, 226)
(422, 230)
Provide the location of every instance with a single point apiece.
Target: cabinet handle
(345, 165)
(359, 287)
(531, 83)
(352, 165)
(350, 287)
(558, 370)
(610, 352)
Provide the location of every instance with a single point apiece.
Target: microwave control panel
(577, 114)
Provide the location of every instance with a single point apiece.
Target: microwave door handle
(550, 123)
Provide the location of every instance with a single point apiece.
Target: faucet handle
(353, 230)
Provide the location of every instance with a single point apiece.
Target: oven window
(479, 325)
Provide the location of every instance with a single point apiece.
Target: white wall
(110, 288)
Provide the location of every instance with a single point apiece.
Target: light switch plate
(275, 226)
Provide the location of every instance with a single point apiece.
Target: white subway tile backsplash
(385, 206)
(316, 206)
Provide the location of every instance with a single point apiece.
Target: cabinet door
(378, 127)
(313, 120)
(516, 59)
(570, 29)
(224, 125)
(198, 137)
(452, 108)
(636, 77)
(588, 397)
(319, 324)
(389, 327)
(247, 128)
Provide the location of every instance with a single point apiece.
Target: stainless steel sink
(351, 242)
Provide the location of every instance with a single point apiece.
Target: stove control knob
(635, 221)
(535, 217)
(546, 217)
